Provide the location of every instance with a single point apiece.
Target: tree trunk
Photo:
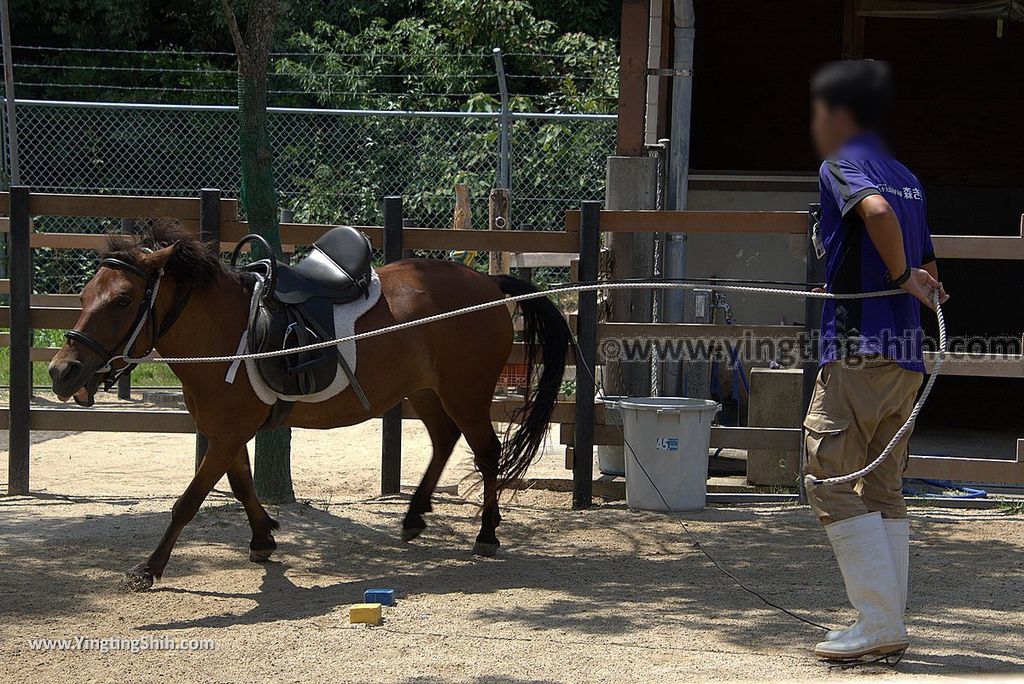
(272, 468)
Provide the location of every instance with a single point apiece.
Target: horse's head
(140, 289)
(118, 318)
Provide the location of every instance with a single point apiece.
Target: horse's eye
(122, 301)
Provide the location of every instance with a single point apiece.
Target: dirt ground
(603, 595)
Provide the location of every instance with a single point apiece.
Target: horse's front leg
(240, 478)
(219, 458)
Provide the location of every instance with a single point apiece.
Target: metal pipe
(12, 128)
(505, 121)
(674, 307)
(383, 113)
(678, 173)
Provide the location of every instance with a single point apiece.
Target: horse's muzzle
(73, 379)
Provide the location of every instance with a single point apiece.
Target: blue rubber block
(385, 597)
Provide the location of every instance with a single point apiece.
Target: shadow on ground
(605, 574)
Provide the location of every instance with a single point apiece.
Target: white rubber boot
(898, 532)
(833, 634)
(866, 561)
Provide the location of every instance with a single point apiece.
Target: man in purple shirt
(874, 235)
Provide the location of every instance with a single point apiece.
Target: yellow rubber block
(364, 614)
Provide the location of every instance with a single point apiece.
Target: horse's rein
(146, 314)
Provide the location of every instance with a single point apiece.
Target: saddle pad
(345, 317)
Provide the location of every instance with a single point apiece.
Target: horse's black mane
(193, 261)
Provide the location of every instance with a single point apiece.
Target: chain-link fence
(333, 166)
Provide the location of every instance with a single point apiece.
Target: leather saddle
(293, 306)
(337, 268)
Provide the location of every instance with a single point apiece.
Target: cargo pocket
(825, 439)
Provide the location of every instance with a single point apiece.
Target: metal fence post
(20, 256)
(391, 424)
(812, 323)
(586, 370)
(124, 383)
(504, 122)
(209, 231)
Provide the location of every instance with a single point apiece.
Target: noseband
(146, 314)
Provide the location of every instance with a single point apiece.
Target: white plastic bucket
(611, 458)
(670, 436)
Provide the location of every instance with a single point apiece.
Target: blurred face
(830, 127)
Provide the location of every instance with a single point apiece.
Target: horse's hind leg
(240, 478)
(444, 434)
(486, 450)
(469, 405)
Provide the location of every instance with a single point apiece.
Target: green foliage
(403, 37)
(439, 59)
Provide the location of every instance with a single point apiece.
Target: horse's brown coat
(448, 370)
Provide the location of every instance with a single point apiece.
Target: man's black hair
(860, 85)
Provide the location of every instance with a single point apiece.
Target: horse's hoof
(262, 552)
(137, 579)
(485, 549)
(260, 555)
(410, 533)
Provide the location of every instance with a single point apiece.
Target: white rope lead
(810, 481)
(151, 358)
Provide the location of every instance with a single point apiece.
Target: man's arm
(884, 230)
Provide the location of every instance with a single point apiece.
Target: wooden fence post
(499, 217)
(462, 219)
(209, 231)
(815, 273)
(391, 424)
(20, 261)
(586, 336)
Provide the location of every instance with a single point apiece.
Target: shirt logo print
(904, 193)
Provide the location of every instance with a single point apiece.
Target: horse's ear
(158, 258)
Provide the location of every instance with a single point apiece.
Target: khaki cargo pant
(855, 410)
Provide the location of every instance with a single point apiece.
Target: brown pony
(447, 369)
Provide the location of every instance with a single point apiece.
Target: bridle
(146, 314)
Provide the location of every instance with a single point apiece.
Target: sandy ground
(604, 595)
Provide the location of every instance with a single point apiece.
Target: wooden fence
(214, 218)
(582, 423)
(590, 427)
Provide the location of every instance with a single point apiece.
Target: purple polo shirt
(889, 326)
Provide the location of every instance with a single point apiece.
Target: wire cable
(693, 539)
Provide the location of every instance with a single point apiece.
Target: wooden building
(957, 121)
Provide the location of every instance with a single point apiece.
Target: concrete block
(775, 401)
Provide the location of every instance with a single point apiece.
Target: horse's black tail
(545, 330)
